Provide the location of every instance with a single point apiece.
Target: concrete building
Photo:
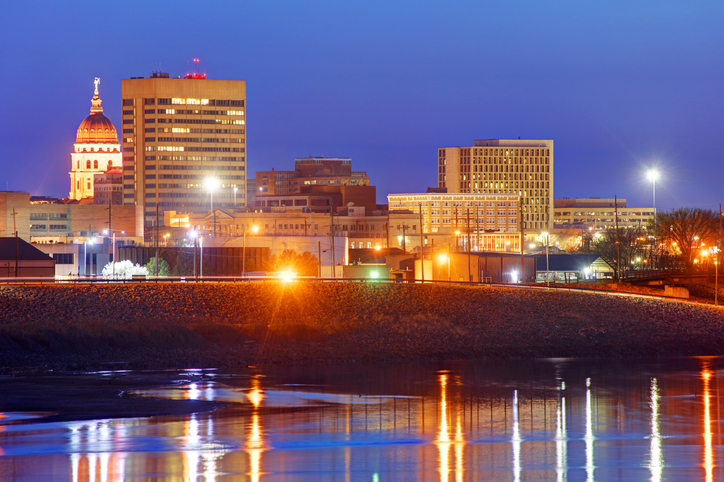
(44, 222)
(184, 143)
(95, 151)
(598, 214)
(504, 166)
(488, 222)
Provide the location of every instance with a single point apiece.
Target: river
(553, 419)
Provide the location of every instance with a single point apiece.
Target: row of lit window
(500, 152)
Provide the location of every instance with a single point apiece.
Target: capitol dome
(96, 128)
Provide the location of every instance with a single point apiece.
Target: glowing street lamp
(235, 189)
(211, 183)
(254, 230)
(445, 258)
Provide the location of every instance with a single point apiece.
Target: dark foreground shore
(229, 325)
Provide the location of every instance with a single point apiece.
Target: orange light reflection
(708, 453)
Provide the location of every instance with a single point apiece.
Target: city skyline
(619, 88)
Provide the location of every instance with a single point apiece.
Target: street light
(254, 230)
(653, 175)
(442, 259)
(235, 189)
(113, 252)
(714, 251)
(85, 256)
(212, 183)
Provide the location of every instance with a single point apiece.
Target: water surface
(561, 420)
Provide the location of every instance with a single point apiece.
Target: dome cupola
(96, 128)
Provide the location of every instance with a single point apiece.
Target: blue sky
(618, 85)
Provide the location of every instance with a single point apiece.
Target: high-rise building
(96, 150)
(184, 144)
(504, 166)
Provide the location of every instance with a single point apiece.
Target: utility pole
(17, 246)
(470, 274)
(618, 242)
(157, 241)
(522, 240)
(387, 229)
(334, 261)
(477, 229)
(422, 248)
(319, 266)
(404, 239)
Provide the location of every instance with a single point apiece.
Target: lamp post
(254, 230)
(85, 256)
(715, 252)
(212, 183)
(201, 256)
(653, 175)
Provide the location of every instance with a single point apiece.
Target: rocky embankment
(236, 324)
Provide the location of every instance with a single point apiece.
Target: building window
(128, 102)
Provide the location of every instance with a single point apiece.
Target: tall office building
(184, 144)
(504, 166)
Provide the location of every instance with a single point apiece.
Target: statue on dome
(96, 82)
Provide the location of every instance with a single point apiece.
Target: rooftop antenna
(196, 66)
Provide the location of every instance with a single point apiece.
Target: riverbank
(229, 325)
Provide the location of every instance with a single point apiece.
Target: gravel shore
(226, 325)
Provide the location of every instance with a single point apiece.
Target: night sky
(618, 85)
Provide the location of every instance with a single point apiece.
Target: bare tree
(685, 231)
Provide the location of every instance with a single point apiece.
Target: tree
(685, 231)
(163, 267)
(632, 245)
(305, 264)
(123, 270)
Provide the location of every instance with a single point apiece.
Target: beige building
(184, 144)
(65, 223)
(504, 166)
(491, 220)
(597, 214)
(96, 150)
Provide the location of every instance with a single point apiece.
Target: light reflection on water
(524, 420)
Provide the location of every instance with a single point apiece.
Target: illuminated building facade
(523, 167)
(177, 133)
(598, 214)
(95, 151)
